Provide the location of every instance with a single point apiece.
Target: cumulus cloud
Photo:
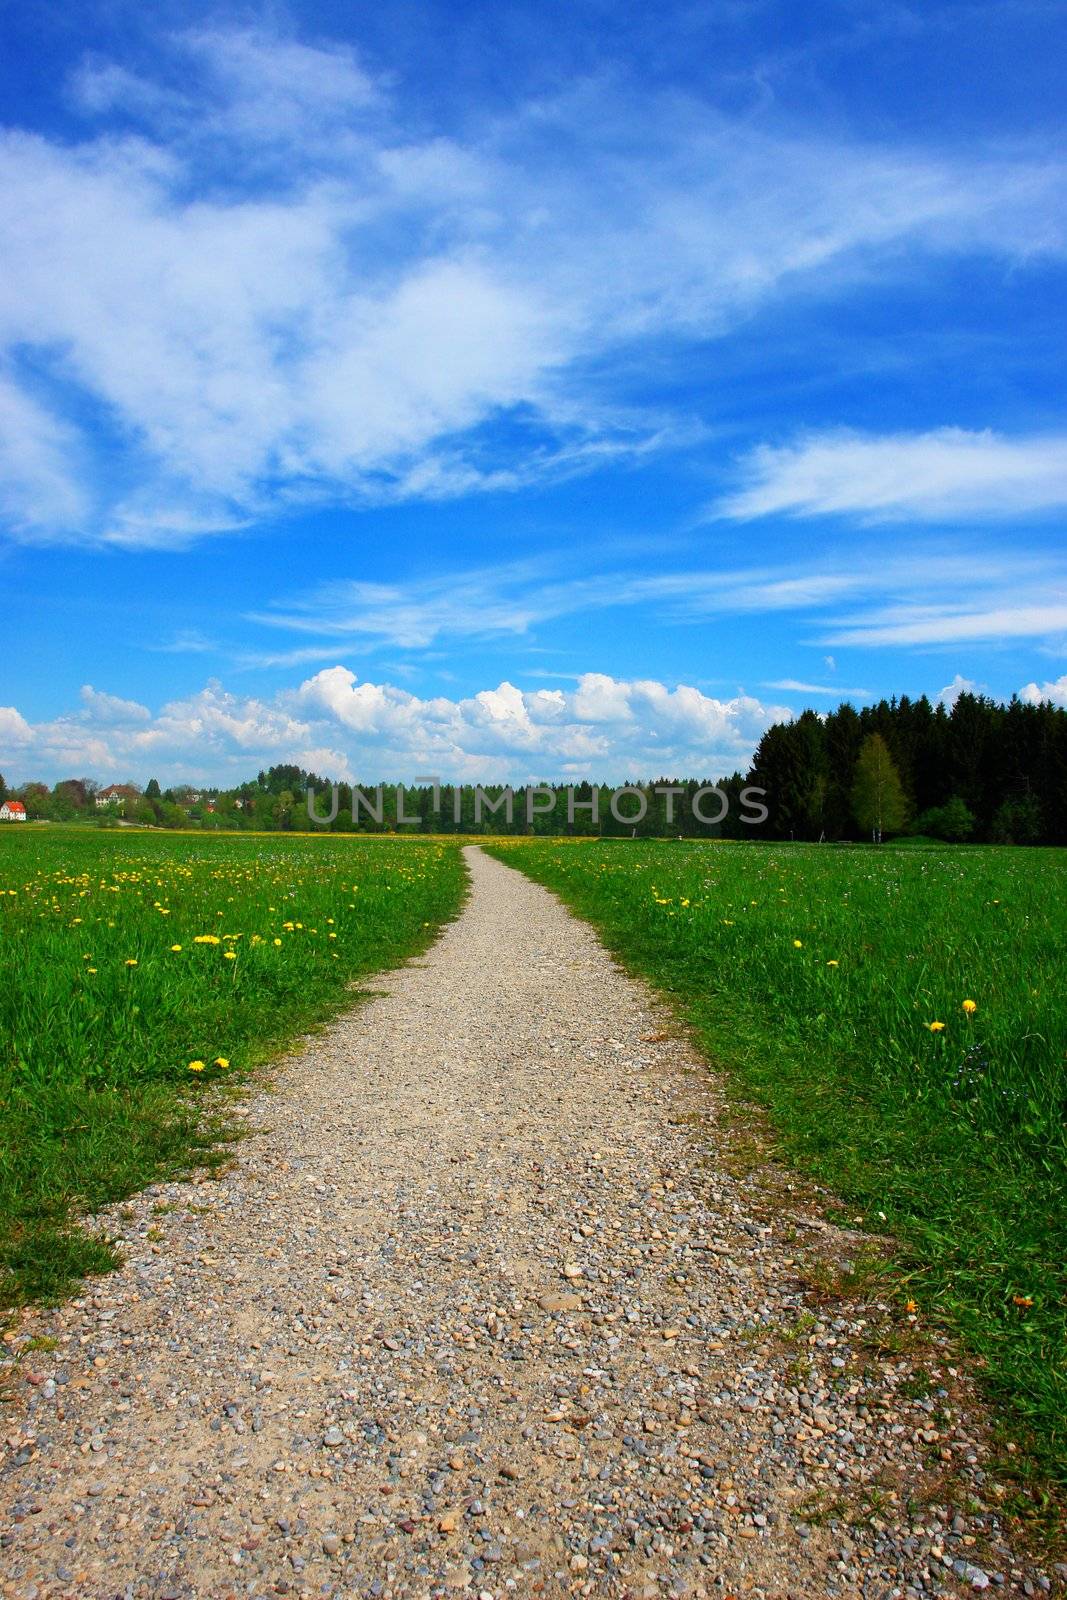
(959, 685)
(339, 725)
(101, 707)
(280, 294)
(1036, 694)
(944, 474)
(15, 731)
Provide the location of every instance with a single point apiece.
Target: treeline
(276, 801)
(982, 771)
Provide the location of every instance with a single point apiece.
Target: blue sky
(499, 392)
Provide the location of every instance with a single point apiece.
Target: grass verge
(140, 971)
(813, 977)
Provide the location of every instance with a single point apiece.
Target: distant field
(139, 967)
(836, 985)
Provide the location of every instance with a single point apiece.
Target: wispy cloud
(919, 624)
(878, 599)
(314, 305)
(796, 686)
(187, 641)
(928, 477)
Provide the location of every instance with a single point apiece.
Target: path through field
(471, 1311)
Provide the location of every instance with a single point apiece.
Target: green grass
(100, 1017)
(952, 1140)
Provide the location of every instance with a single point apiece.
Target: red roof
(15, 805)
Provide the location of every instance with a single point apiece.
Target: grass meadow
(902, 1015)
(141, 968)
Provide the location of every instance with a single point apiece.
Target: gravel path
(476, 1309)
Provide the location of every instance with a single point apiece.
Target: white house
(115, 794)
(12, 811)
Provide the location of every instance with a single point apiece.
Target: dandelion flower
(206, 938)
(229, 955)
(910, 1307)
(832, 963)
(196, 1066)
(90, 969)
(277, 941)
(176, 948)
(221, 1061)
(970, 1007)
(798, 944)
(131, 961)
(936, 1027)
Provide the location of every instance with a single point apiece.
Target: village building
(116, 793)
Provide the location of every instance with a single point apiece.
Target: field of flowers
(902, 1015)
(138, 968)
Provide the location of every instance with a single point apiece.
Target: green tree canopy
(878, 801)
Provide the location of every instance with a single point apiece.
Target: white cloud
(101, 707)
(40, 490)
(882, 597)
(14, 729)
(794, 686)
(1036, 694)
(918, 624)
(959, 685)
(945, 474)
(283, 295)
(336, 724)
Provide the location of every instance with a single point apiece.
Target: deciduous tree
(878, 802)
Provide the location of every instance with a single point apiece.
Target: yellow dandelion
(833, 963)
(936, 1027)
(970, 1007)
(196, 1066)
(176, 948)
(229, 955)
(131, 961)
(221, 1061)
(277, 941)
(90, 969)
(798, 944)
